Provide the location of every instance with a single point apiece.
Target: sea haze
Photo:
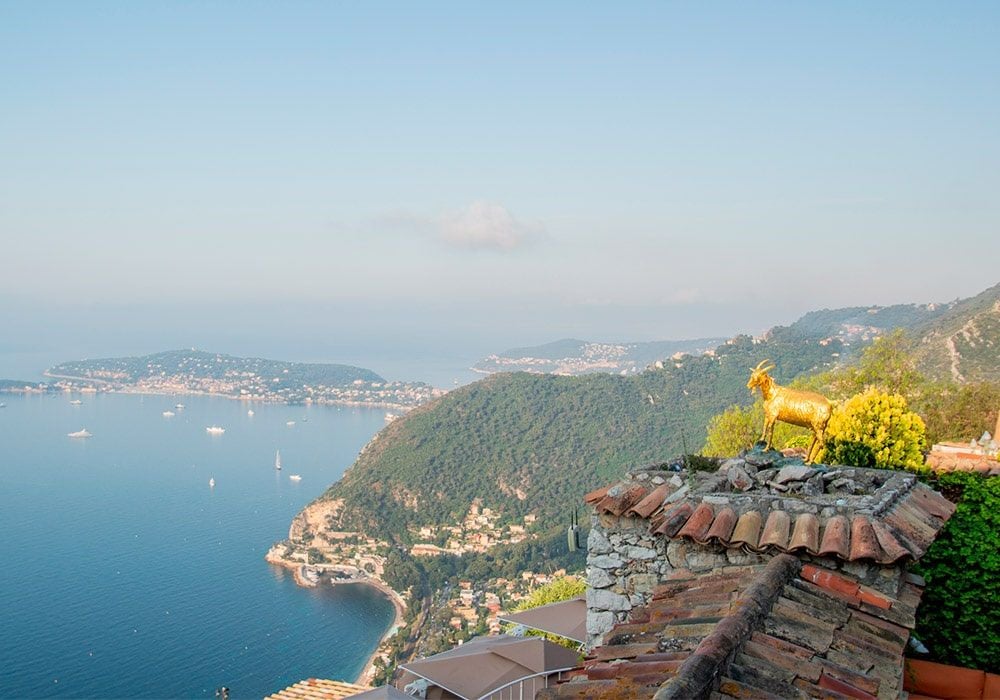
(126, 574)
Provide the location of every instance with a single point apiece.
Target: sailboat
(277, 460)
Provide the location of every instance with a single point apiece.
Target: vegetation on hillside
(536, 443)
(210, 365)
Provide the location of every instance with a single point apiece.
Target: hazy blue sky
(202, 171)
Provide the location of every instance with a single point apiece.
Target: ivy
(959, 616)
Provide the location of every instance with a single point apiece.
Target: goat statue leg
(768, 435)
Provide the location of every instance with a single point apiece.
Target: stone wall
(625, 563)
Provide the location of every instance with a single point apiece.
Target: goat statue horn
(759, 367)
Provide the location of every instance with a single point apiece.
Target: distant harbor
(199, 373)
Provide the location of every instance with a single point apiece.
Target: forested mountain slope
(531, 443)
(963, 343)
(528, 443)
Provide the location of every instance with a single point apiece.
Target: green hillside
(209, 365)
(528, 443)
(963, 342)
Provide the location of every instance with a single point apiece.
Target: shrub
(959, 616)
(563, 588)
(875, 429)
(560, 589)
(738, 428)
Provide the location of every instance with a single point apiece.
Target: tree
(560, 589)
(738, 428)
(959, 411)
(885, 364)
(875, 429)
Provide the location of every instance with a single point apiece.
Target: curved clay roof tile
(723, 526)
(805, 535)
(931, 502)
(836, 538)
(617, 502)
(650, 503)
(892, 550)
(864, 544)
(775, 530)
(697, 525)
(595, 496)
(747, 530)
(675, 519)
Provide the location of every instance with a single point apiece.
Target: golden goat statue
(805, 408)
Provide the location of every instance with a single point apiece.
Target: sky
(332, 180)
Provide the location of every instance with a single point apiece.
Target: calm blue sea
(126, 575)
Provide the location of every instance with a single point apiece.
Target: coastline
(146, 392)
(399, 605)
(397, 600)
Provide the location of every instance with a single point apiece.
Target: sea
(126, 574)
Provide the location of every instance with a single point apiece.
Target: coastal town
(197, 372)
(317, 556)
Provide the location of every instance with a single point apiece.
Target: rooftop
(781, 629)
(767, 503)
(318, 689)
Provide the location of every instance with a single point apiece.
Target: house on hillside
(765, 578)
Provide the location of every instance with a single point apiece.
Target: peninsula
(246, 378)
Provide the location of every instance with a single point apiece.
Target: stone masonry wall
(625, 563)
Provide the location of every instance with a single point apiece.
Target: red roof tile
(775, 532)
(805, 535)
(776, 630)
(650, 503)
(896, 522)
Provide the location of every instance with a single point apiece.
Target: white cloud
(480, 226)
(484, 225)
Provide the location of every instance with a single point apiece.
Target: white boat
(169, 414)
(79, 434)
(75, 402)
(211, 483)
(290, 423)
(295, 477)
(250, 412)
(179, 406)
(277, 460)
(215, 430)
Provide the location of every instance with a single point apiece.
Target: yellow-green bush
(875, 429)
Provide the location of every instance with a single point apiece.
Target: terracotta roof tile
(747, 530)
(896, 521)
(318, 689)
(864, 544)
(836, 538)
(698, 524)
(675, 519)
(595, 496)
(722, 526)
(892, 550)
(775, 530)
(651, 502)
(805, 535)
(621, 497)
(932, 502)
